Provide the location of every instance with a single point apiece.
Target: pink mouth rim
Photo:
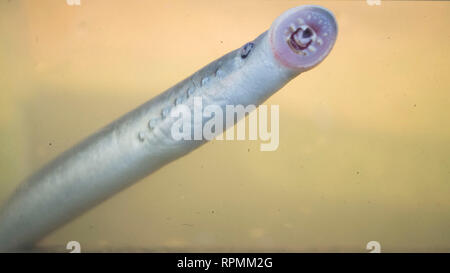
(304, 56)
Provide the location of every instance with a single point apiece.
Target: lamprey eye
(246, 49)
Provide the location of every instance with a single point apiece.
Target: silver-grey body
(127, 149)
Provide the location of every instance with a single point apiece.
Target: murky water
(364, 150)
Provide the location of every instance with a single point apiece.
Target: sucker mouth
(300, 39)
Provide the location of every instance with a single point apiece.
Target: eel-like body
(140, 142)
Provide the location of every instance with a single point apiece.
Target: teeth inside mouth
(300, 39)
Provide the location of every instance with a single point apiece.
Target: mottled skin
(140, 142)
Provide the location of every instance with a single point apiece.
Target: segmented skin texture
(140, 142)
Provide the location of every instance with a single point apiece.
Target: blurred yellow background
(364, 138)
